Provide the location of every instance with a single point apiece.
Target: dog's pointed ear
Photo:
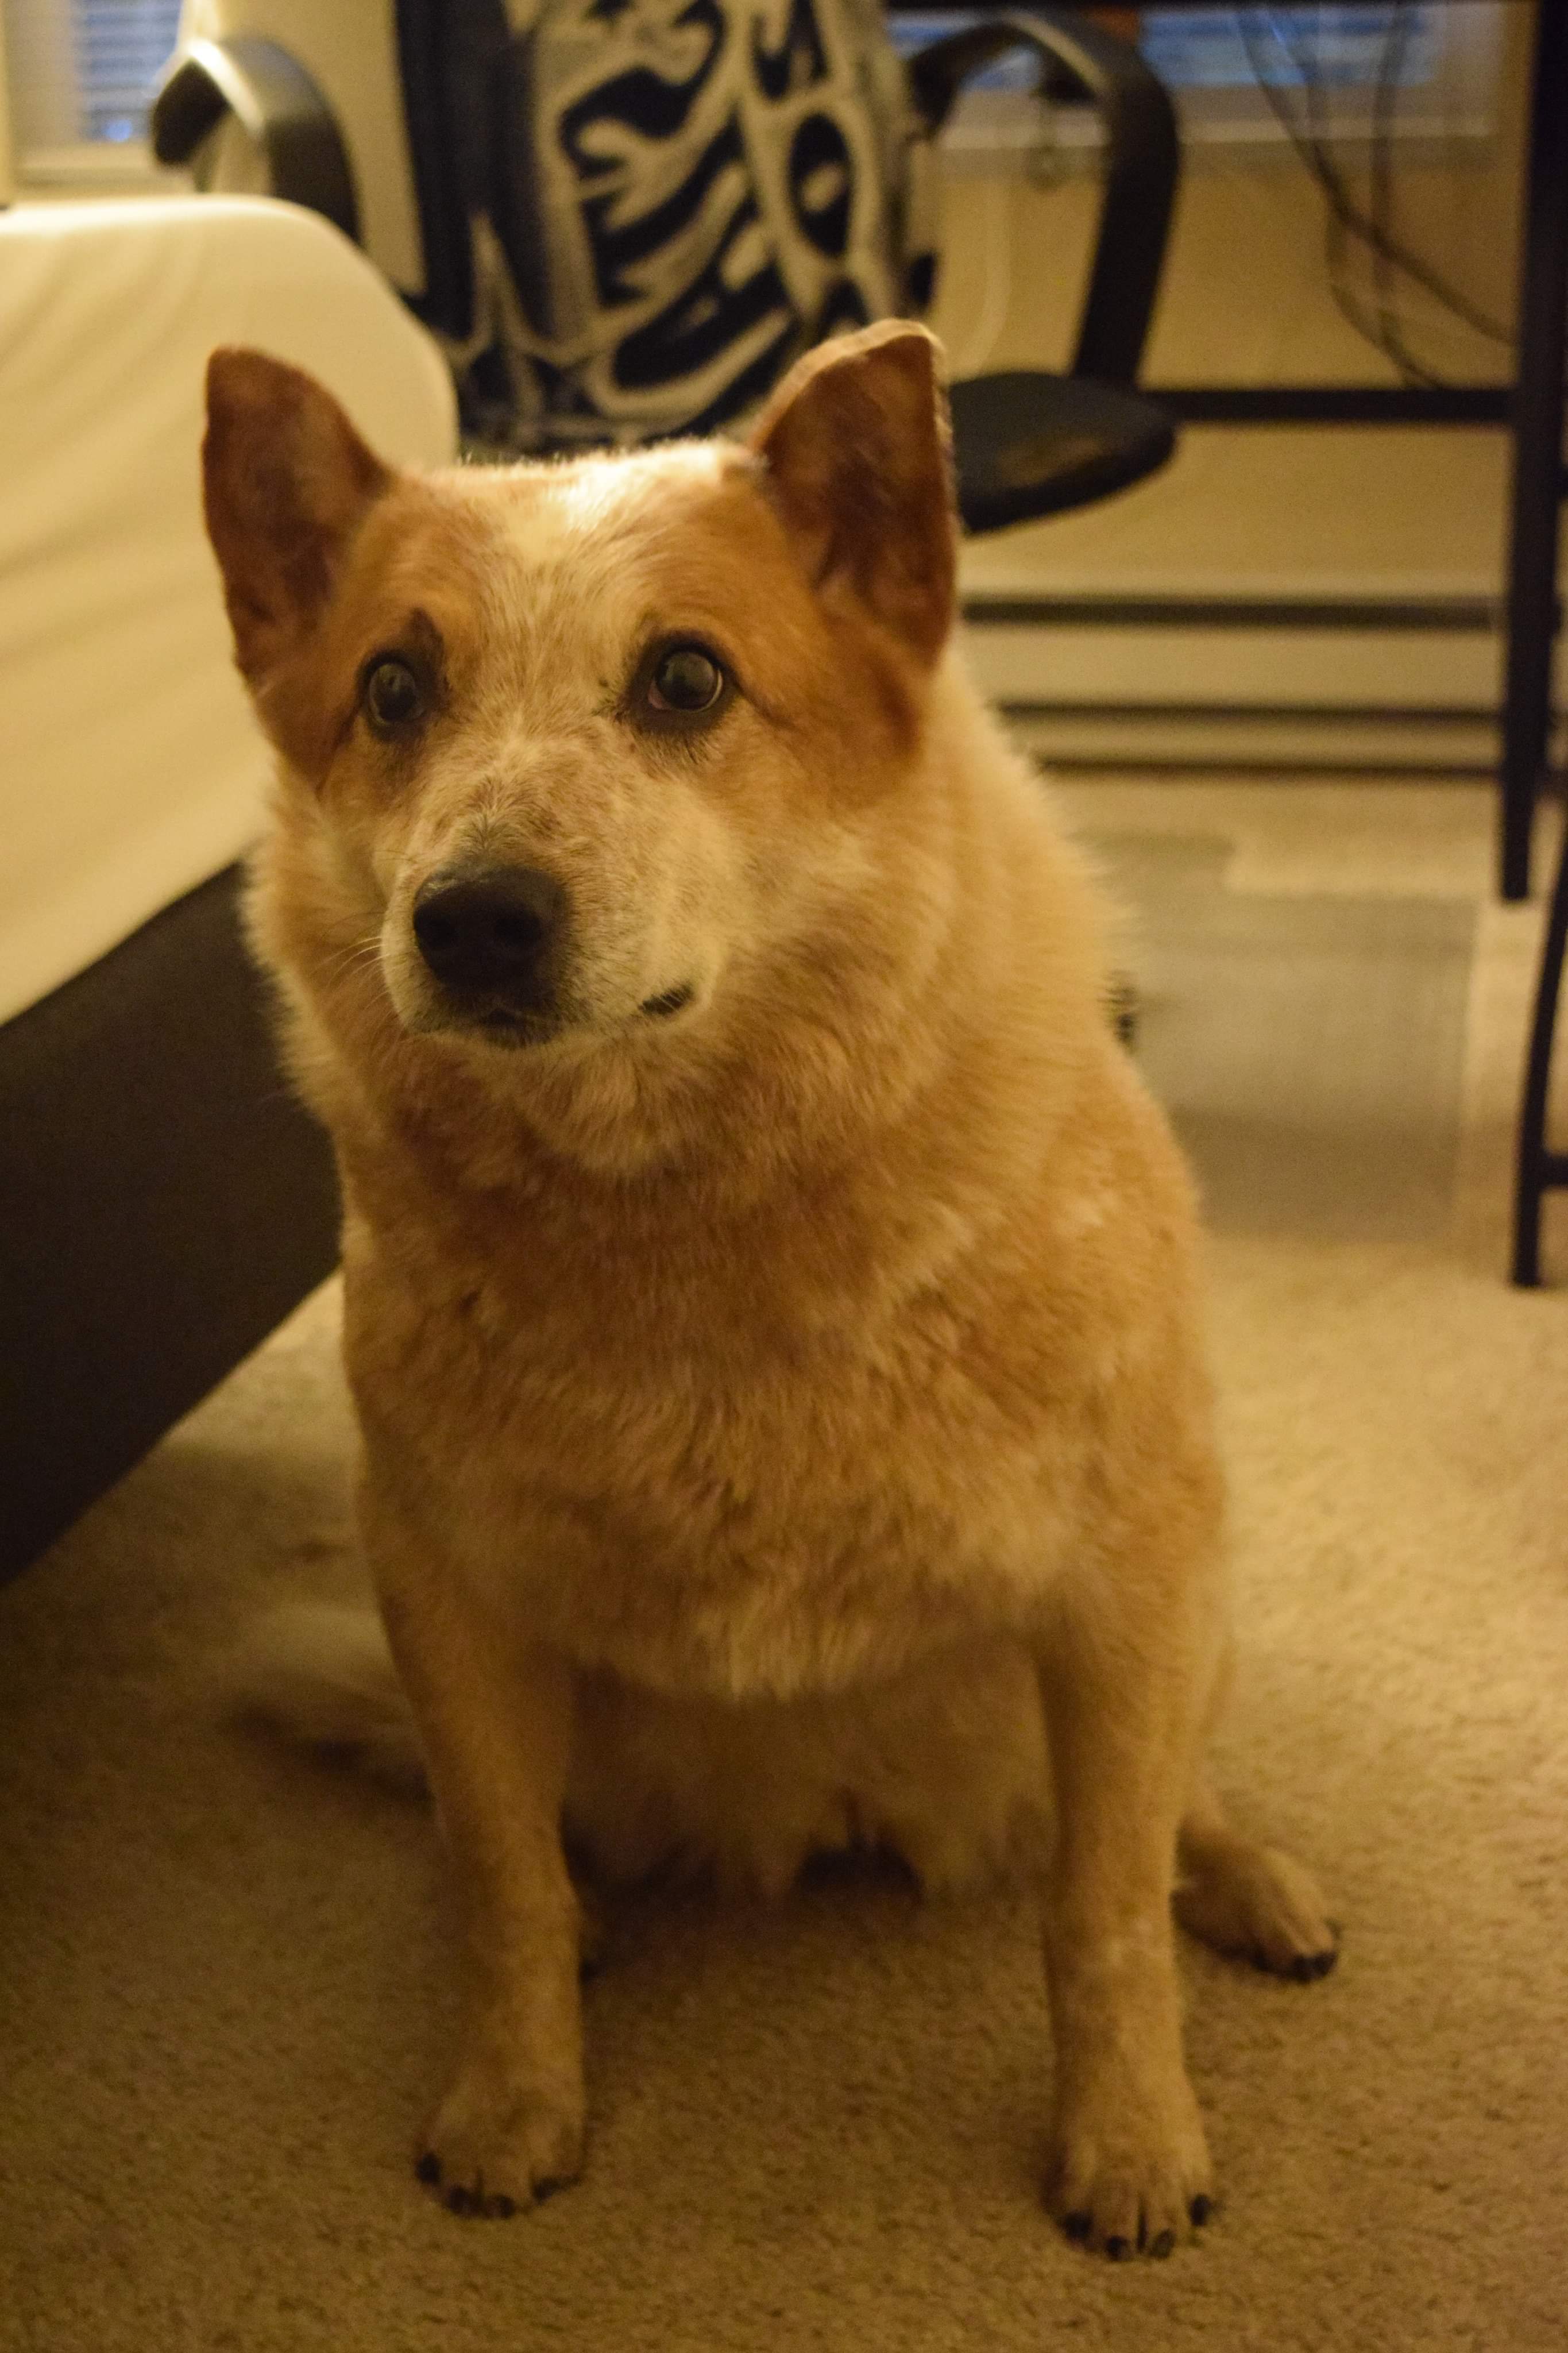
(286, 481)
(858, 448)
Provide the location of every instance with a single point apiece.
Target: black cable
(1345, 219)
(1354, 220)
(1385, 107)
(1306, 138)
(1383, 331)
(1378, 236)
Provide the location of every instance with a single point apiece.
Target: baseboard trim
(1277, 741)
(1294, 715)
(1176, 769)
(1463, 615)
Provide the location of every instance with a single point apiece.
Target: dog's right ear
(287, 481)
(856, 445)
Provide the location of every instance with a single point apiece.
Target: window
(79, 76)
(1326, 58)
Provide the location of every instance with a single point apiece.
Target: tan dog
(770, 1290)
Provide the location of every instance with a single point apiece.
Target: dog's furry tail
(320, 1675)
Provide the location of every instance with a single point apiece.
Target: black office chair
(1027, 442)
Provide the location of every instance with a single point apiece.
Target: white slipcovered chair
(162, 1202)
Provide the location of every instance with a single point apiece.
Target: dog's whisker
(361, 952)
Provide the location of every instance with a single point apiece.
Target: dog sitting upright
(770, 1290)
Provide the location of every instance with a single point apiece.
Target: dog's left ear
(287, 482)
(858, 448)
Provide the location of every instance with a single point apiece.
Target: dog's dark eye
(393, 698)
(685, 679)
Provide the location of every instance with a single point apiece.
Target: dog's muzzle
(495, 937)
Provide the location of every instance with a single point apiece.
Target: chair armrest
(280, 107)
(1143, 164)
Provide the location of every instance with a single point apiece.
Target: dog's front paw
(497, 2146)
(1126, 2181)
(1260, 1905)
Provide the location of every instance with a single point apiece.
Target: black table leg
(1538, 1167)
(1537, 452)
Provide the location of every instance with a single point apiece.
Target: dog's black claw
(547, 2188)
(500, 2209)
(461, 2201)
(1123, 1004)
(1200, 2210)
(1118, 2250)
(1077, 2226)
(429, 2168)
(1163, 2246)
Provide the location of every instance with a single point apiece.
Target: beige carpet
(1311, 1047)
(225, 1983)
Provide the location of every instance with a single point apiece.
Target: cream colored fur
(771, 1296)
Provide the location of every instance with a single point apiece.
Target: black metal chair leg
(1539, 1169)
(1537, 453)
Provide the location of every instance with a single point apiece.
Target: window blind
(82, 72)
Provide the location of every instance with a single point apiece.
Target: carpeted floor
(1310, 1048)
(225, 1989)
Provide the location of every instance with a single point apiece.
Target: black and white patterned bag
(675, 198)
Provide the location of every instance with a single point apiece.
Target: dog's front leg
(1128, 2166)
(494, 1714)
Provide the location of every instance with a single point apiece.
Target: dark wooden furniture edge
(164, 1204)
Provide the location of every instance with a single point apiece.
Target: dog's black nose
(494, 932)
